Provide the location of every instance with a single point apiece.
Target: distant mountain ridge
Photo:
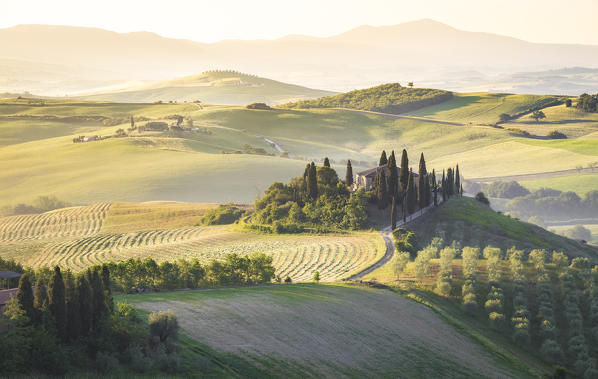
(427, 52)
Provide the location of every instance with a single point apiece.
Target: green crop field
(578, 183)
(327, 331)
(79, 237)
(482, 107)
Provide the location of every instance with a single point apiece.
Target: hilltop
(213, 87)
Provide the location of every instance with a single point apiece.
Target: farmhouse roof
(9, 275)
(372, 172)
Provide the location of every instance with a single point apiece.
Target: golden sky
(209, 21)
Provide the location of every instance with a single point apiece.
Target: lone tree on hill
(568, 103)
(383, 159)
(132, 122)
(326, 162)
(25, 296)
(349, 174)
(312, 182)
(316, 276)
(58, 303)
(504, 117)
(404, 178)
(410, 84)
(538, 115)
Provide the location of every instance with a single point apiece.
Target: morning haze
(324, 189)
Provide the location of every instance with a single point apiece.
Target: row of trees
(138, 275)
(553, 204)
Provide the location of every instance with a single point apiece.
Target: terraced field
(68, 222)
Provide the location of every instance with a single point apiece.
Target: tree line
(388, 98)
(588, 103)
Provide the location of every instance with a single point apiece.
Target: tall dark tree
(100, 311)
(106, 285)
(326, 162)
(85, 304)
(40, 301)
(349, 174)
(443, 183)
(383, 159)
(312, 182)
(132, 122)
(450, 182)
(306, 172)
(434, 189)
(381, 188)
(421, 185)
(411, 194)
(73, 314)
(25, 296)
(393, 178)
(57, 302)
(457, 180)
(393, 213)
(404, 177)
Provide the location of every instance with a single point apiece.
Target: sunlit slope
(482, 107)
(215, 87)
(328, 331)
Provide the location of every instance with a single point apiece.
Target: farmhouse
(365, 179)
(91, 138)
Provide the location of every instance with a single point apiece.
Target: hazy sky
(213, 20)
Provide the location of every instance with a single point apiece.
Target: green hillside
(386, 98)
(471, 223)
(214, 87)
(482, 107)
(326, 331)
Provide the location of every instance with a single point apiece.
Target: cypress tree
(306, 172)
(435, 192)
(40, 301)
(72, 307)
(450, 182)
(383, 159)
(421, 185)
(85, 304)
(349, 174)
(393, 214)
(428, 191)
(457, 180)
(106, 285)
(25, 296)
(411, 194)
(443, 183)
(57, 303)
(381, 189)
(404, 177)
(312, 182)
(393, 179)
(98, 300)
(326, 162)
(132, 122)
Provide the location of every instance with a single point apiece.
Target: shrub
(224, 214)
(470, 303)
(163, 326)
(262, 106)
(497, 320)
(555, 134)
(552, 351)
(405, 240)
(506, 190)
(482, 198)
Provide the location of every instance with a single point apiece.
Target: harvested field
(326, 331)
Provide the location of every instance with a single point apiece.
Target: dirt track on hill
(396, 116)
(539, 175)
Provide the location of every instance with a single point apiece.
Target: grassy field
(580, 184)
(472, 224)
(482, 107)
(327, 330)
(82, 236)
(571, 121)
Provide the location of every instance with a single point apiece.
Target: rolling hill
(213, 87)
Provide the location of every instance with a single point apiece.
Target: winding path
(389, 241)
